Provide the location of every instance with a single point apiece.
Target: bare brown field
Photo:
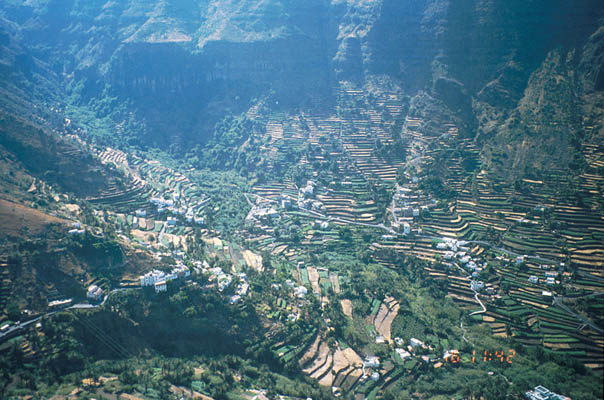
(21, 221)
(347, 307)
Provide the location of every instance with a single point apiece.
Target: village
(496, 260)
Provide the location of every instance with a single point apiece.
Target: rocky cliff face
(180, 65)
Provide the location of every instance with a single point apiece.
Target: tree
(12, 311)
(345, 234)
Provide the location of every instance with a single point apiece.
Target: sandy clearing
(142, 235)
(383, 320)
(346, 307)
(320, 358)
(253, 260)
(557, 345)
(313, 277)
(335, 282)
(279, 249)
(17, 220)
(344, 360)
(126, 396)
(324, 370)
(328, 379)
(352, 357)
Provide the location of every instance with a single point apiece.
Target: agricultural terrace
(440, 177)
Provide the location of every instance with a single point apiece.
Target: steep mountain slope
(162, 74)
(560, 111)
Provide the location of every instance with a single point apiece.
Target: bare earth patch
(253, 260)
(383, 320)
(21, 221)
(346, 307)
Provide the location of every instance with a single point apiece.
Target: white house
(141, 213)
(477, 286)
(533, 279)
(150, 278)
(442, 246)
(416, 342)
(371, 362)
(94, 293)
(224, 281)
(286, 203)
(406, 228)
(519, 260)
(542, 393)
(243, 288)
(300, 292)
(308, 190)
(160, 286)
(402, 353)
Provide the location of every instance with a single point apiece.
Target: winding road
(13, 330)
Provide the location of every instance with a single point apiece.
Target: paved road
(484, 309)
(558, 302)
(14, 329)
(463, 332)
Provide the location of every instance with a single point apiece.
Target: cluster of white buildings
(241, 290)
(321, 224)
(162, 204)
(222, 279)
(370, 366)
(477, 286)
(306, 200)
(407, 205)
(299, 291)
(456, 250)
(308, 190)
(549, 278)
(158, 279)
(542, 393)
(169, 205)
(155, 278)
